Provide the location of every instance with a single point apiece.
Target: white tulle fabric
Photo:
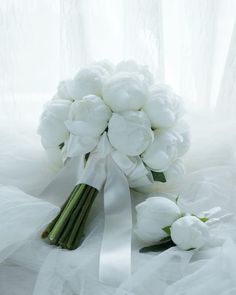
(29, 266)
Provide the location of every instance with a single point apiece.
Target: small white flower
(89, 80)
(88, 118)
(162, 107)
(162, 152)
(52, 127)
(153, 215)
(131, 66)
(175, 170)
(125, 92)
(130, 132)
(189, 232)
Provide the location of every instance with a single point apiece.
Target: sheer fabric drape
(188, 44)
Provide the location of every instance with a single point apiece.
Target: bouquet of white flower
(112, 121)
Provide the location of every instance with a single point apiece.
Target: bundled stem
(67, 229)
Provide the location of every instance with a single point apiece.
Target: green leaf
(87, 156)
(158, 176)
(177, 199)
(161, 246)
(167, 230)
(203, 219)
(166, 239)
(61, 145)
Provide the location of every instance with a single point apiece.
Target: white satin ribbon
(115, 255)
(117, 173)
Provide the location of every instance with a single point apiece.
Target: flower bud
(161, 153)
(162, 107)
(125, 92)
(189, 232)
(130, 132)
(153, 215)
(52, 128)
(92, 112)
(175, 170)
(88, 118)
(89, 80)
(182, 130)
(63, 90)
(131, 66)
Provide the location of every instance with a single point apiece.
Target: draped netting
(189, 44)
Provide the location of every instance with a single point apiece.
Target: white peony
(88, 118)
(92, 111)
(63, 90)
(153, 215)
(89, 80)
(175, 170)
(106, 64)
(182, 129)
(125, 92)
(131, 66)
(162, 107)
(162, 151)
(189, 232)
(52, 127)
(130, 132)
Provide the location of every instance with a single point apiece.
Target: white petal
(88, 81)
(125, 91)
(162, 151)
(189, 232)
(153, 215)
(130, 132)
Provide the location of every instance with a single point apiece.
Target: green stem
(80, 232)
(65, 215)
(48, 229)
(76, 233)
(74, 216)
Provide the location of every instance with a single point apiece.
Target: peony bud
(125, 92)
(175, 170)
(106, 64)
(183, 145)
(162, 107)
(92, 112)
(131, 66)
(162, 151)
(189, 232)
(153, 215)
(130, 132)
(63, 90)
(52, 127)
(88, 118)
(88, 81)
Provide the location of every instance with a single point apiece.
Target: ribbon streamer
(115, 255)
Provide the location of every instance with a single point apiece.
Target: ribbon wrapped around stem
(116, 172)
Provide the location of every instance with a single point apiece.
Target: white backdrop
(188, 43)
